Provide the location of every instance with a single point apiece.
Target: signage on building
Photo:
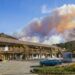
(6, 48)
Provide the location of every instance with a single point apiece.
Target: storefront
(14, 49)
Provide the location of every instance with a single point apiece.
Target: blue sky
(15, 14)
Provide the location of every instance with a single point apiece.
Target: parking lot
(16, 67)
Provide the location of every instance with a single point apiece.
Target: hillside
(70, 46)
(6, 36)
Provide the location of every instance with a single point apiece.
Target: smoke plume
(58, 27)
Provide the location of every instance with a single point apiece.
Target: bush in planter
(56, 69)
(70, 68)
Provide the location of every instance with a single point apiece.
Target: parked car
(48, 62)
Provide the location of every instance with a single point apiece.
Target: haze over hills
(57, 27)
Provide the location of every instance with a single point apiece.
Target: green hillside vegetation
(69, 46)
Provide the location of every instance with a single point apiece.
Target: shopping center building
(13, 49)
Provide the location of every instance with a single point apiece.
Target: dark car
(48, 62)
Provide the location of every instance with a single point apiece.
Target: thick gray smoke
(69, 35)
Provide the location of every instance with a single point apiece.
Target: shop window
(34, 55)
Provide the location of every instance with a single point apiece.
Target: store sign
(6, 48)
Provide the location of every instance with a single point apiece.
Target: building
(14, 49)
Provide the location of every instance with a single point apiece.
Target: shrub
(56, 69)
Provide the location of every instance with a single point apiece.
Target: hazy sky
(15, 14)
